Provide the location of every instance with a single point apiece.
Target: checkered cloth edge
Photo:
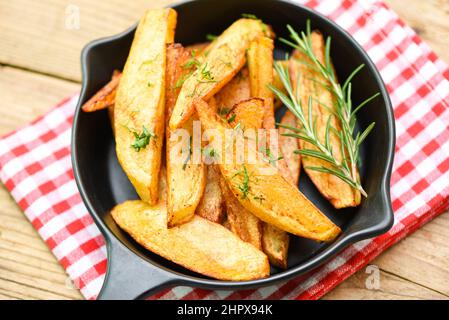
(35, 163)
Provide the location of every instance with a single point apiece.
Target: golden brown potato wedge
(225, 57)
(200, 245)
(237, 90)
(211, 204)
(263, 191)
(198, 48)
(275, 243)
(140, 103)
(105, 97)
(289, 145)
(249, 113)
(186, 179)
(260, 65)
(241, 222)
(339, 193)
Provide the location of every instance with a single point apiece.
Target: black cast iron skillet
(134, 272)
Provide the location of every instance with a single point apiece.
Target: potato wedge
(260, 65)
(249, 113)
(289, 145)
(275, 243)
(211, 204)
(198, 47)
(339, 193)
(263, 191)
(200, 245)
(237, 90)
(186, 180)
(241, 222)
(140, 103)
(105, 97)
(225, 57)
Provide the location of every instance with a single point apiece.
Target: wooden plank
(391, 287)
(43, 35)
(429, 19)
(47, 40)
(26, 96)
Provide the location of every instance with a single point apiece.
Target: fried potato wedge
(105, 97)
(225, 57)
(198, 48)
(249, 113)
(140, 103)
(200, 245)
(211, 204)
(241, 222)
(339, 193)
(275, 243)
(235, 91)
(289, 145)
(262, 190)
(260, 65)
(186, 179)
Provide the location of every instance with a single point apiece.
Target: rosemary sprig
(342, 109)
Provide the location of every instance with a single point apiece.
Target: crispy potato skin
(275, 243)
(249, 113)
(241, 222)
(140, 101)
(288, 146)
(339, 193)
(225, 57)
(282, 204)
(211, 204)
(105, 97)
(200, 245)
(237, 90)
(186, 180)
(198, 47)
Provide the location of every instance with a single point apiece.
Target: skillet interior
(103, 183)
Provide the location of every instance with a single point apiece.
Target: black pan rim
(320, 258)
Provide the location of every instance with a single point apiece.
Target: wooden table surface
(39, 65)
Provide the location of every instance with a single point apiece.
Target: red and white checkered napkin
(35, 163)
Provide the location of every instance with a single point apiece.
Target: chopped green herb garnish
(232, 118)
(271, 158)
(206, 73)
(211, 37)
(259, 198)
(189, 155)
(143, 139)
(149, 84)
(244, 186)
(249, 16)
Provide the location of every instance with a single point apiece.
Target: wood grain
(39, 65)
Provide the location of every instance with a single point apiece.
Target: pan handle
(130, 277)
